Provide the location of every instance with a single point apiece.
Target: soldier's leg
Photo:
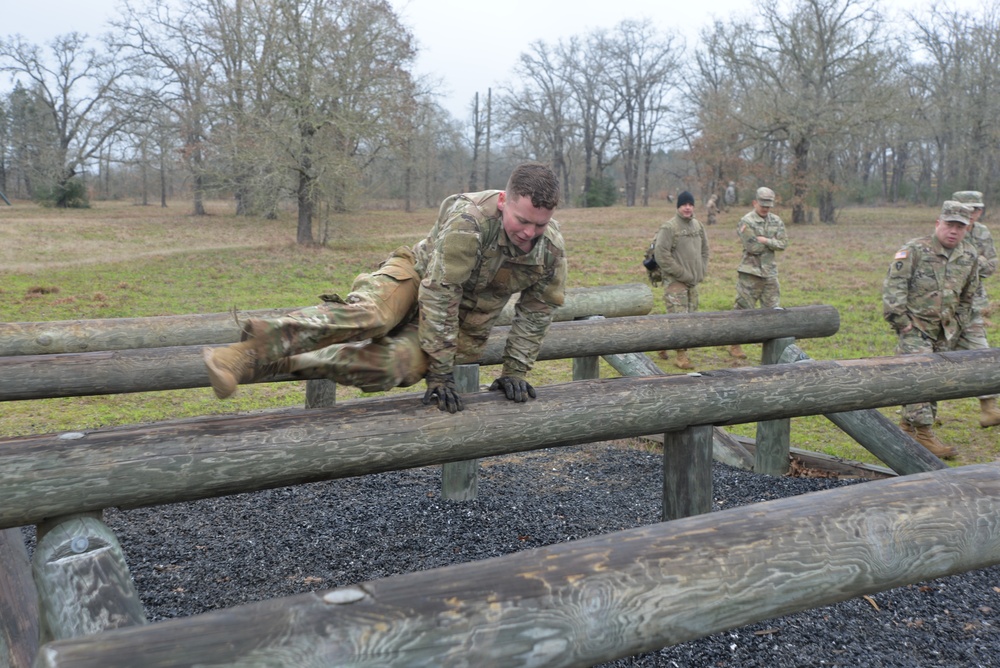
(748, 291)
(770, 293)
(675, 297)
(922, 414)
(377, 304)
(378, 365)
(974, 338)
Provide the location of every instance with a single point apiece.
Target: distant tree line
(314, 105)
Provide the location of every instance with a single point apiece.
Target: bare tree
(78, 86)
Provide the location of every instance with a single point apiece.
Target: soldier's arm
(669, 267)
(780, 239)
(532, 317)
(964, 311)
(988, 255)
(749, 234)
(454, 256)
(895, 290)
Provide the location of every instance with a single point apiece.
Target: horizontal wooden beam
(74, 336)
(181, 460)
(594, 600)
(153, 369)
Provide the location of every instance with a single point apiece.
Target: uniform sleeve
(704, 248)
(454, 254)
(964, 311)
(987, 255)
(780, 240)
(748, 234)
(532, 317)
(896, 287)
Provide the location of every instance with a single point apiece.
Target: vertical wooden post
(773, 436)
(321, 393)
(18, 603)
(587, 368)
(687, 472)
(460, 480)
(84, 585)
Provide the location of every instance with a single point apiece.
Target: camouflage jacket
(930, 288)
(469, 270)
(682, 250)
(980, 237)
(758, 259)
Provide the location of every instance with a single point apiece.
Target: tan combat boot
(229, 366)
(924, 436)
(682, 361)
(664, 354)
(737, 352)
(989, 414)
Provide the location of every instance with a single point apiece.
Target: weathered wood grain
(74, 336)
(152, 369)
(84, 585)
(18, 603)
(593, 600)
(179, 460)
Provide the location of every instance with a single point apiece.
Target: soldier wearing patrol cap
(927, 298)
(974, 336)
(762, 234)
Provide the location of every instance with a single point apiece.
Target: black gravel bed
(190, 558)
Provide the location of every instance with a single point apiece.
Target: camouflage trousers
(751, 289)
(916, 342)
(368, 339)
(973, 337)
(679, 298)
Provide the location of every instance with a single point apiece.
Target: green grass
(116, 260)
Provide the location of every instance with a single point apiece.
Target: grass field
(118, 260)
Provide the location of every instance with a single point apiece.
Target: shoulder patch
(902, 255)
(743, 226)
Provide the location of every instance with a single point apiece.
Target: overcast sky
(469, 45)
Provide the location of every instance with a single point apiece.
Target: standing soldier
(730, 196)
(426, 309)
(974, 335)
(681, 250)
(713, 209)
(762, 234)
(927, 298)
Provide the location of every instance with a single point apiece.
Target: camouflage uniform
(933, 290)
(974, 336)
(681, 250)
(713, 209)
(757, 275)
(431, 308)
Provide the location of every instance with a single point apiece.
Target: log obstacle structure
(75, 336)
(598, 599)
(202, 457)
(148, 369)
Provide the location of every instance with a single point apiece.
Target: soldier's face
(686, 210)
(761, 210)
(975, 215)
(950, 232)
(522, 221)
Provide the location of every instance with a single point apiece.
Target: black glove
(516, 389)
(441, 388)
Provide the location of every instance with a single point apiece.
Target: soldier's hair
(537, 181)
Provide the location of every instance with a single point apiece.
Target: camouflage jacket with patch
(930, 288)
(469, 270)
(758, 259)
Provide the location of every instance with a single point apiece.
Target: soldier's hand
(516, 389)
(441, 389)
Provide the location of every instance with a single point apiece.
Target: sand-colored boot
(989, 414)
(923, 435)
(229, 366)
(683, 361)
(737, 352)
(664, 354)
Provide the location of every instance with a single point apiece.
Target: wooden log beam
(152, 369)
(84, 584)
(181, 460)
(589, 601)
(74, 336)
(18, 603)
(876, 433)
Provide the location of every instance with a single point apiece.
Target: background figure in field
(712, 208)
(974, 335)
(426, 309)
(681, 250)
(927, 298)
(762, 234)
(730, 195)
